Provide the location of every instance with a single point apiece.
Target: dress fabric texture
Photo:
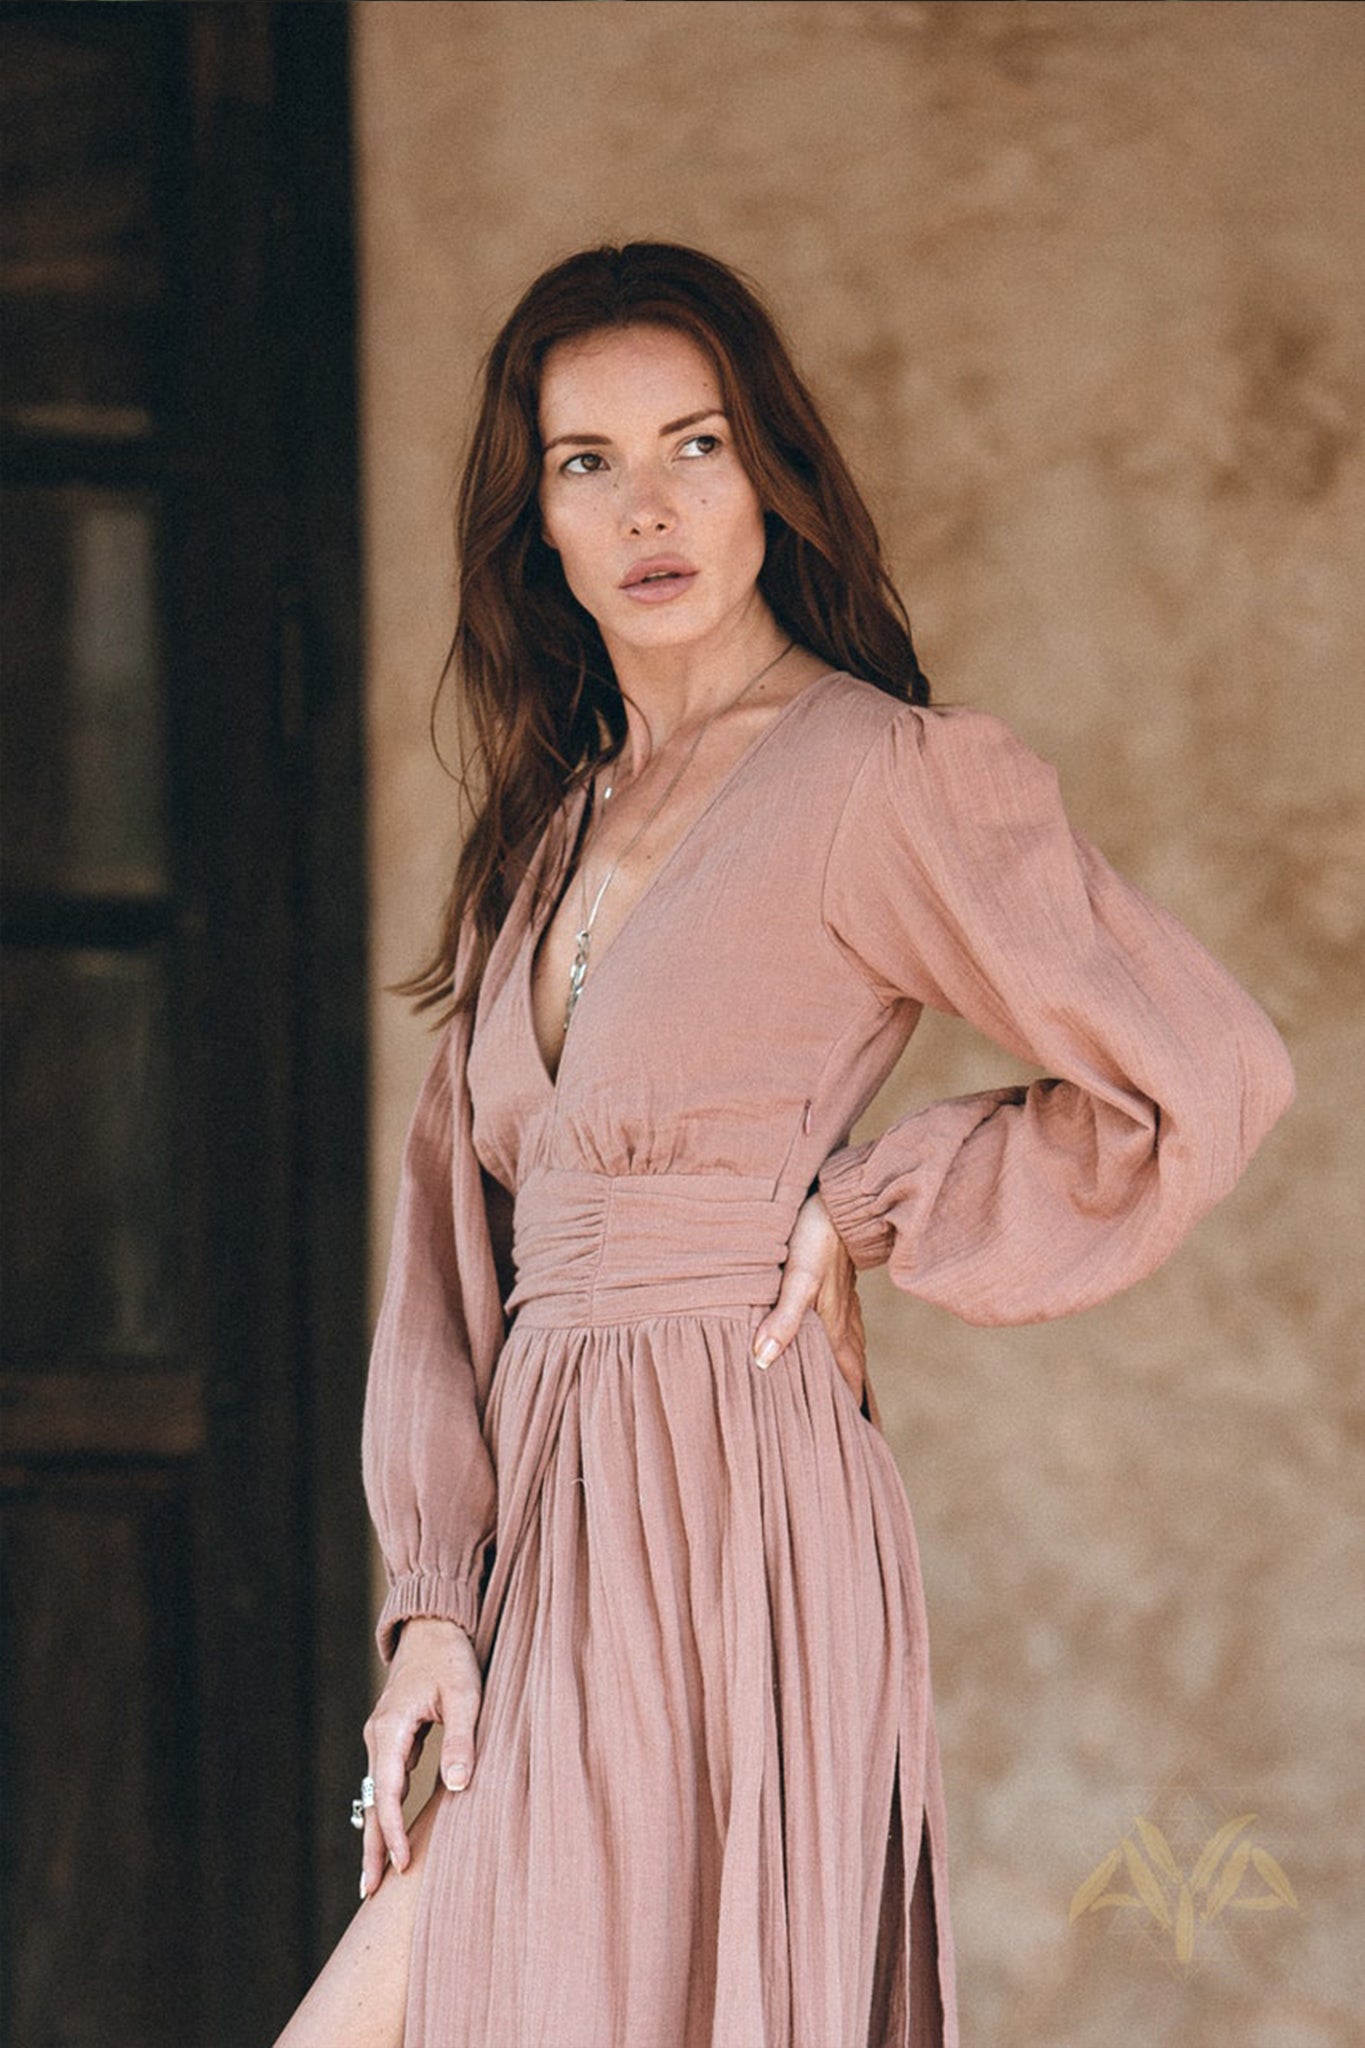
(708, 1809)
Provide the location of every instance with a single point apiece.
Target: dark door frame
(254, 463)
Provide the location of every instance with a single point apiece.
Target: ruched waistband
(608, 1248)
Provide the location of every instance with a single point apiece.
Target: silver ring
(360, 1807)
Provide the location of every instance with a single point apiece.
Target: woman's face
(642, 495)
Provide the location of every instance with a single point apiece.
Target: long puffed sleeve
(429, 1477)
(956, 881)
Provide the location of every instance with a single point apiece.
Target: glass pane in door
(88, 1237)
(81, 725)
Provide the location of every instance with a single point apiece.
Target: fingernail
(456, 1778)
(767, 1352)
(364, 1888)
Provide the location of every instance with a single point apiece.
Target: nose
(645, 506)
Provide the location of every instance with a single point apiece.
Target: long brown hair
(537, 685)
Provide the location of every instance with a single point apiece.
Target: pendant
(578, 972)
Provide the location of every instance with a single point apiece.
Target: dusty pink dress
(706, 1755)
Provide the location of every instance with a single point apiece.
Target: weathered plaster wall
(1083, 286)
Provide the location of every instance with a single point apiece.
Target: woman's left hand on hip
(818, 1274)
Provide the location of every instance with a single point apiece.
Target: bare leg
(360, 1999)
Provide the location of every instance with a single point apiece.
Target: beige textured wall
(1083, 287)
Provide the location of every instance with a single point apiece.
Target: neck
(670, 691)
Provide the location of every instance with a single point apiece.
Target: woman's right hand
(434, 1677)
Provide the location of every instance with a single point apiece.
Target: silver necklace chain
(578, 971)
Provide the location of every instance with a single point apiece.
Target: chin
(666, 626)
(691, 617)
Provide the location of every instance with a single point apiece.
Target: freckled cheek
(748, 537)
(584, 545)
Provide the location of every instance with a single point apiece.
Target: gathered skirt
(706, 1758)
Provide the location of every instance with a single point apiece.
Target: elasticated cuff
(868, 1236)
(426, 1594)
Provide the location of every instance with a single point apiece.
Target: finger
(841, 1316)
(842, 1325)
(783, 1320)
(869, 1404)
(375, 1858)
(460, 1713)
(393, 1742)
(372, 1861)
(846, 1338)
(849, 1358)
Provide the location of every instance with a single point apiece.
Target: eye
(587, 455)
(705, 444)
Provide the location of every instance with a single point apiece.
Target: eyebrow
(691, 419)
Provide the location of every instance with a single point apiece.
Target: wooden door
(184, 1671)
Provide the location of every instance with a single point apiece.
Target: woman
(651, 1564)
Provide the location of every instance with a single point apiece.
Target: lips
(658, 577)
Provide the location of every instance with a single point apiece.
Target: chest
(720, 1027)
(619, 851)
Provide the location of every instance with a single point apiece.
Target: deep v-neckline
(536, 929)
